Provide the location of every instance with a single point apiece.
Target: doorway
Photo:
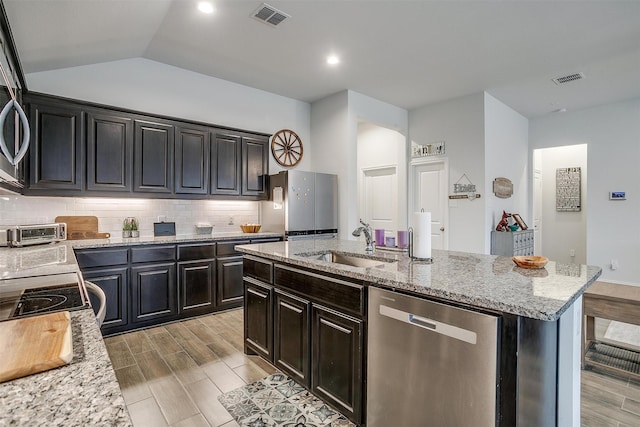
(561, 234)
(428, 182)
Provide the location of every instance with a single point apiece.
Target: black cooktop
(36, 301)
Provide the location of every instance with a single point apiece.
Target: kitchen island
(539, 310)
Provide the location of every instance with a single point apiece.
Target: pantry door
(429, 193)
(379, 207)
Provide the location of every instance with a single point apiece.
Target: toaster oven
(25, 235)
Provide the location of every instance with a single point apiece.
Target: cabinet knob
(441, 228)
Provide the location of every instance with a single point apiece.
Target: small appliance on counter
(25, 235)
(161, 229)
(204, 228)
(302, 205)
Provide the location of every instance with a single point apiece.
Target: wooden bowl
(250, 228)
(530, 261)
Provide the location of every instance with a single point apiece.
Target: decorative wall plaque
(502, 188)
(568, 190)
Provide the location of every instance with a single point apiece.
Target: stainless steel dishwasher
(430, 364)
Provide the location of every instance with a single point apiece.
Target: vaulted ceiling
(407, 53)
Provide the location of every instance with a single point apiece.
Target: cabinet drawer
(266, 240)
(333, 292)
(258, 268)
(88, 258)
(153, 254)
(227, 248)
(196, 251)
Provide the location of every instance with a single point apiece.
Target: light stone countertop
(82, 393)
(482, 281)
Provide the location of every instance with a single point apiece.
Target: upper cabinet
(226, 168)
(57, 147)
(84, 149)
(153, 157)
(109, 151)
(255, 166)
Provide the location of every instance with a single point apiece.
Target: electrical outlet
(230, 220)
(162, 218)
(615, 264)
(572, 252)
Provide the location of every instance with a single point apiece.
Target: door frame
(421, 161)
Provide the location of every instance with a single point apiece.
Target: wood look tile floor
(171, 375)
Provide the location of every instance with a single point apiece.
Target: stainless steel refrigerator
(302, 205)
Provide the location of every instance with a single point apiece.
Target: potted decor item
(126, 228)
(134, 227)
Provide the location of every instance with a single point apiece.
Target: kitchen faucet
(368, 235)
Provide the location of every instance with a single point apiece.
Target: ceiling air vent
(567, 79)
(269, 15)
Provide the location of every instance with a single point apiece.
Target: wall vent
(269, 15)
(567, 79)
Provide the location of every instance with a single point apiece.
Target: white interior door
(430, 193)
(380, 198)
(537, 212)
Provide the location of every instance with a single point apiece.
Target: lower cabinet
(337, 360)
(115, 284)
(258, 318)
(153, 293)
(229, 285)
(291, 343)
(196, 286)
(311, 327)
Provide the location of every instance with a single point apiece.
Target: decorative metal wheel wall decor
(286, 147)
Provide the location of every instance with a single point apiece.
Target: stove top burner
(44, 300)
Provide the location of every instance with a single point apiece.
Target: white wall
(223, 215)
(149, 86)
(562, 231)
(334, 131)
(506, 155)
(612, 133)
(460, 123)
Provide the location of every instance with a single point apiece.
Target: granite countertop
(483, 281)
(84, 392)
(56, 258)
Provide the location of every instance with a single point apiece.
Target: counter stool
(102, 298)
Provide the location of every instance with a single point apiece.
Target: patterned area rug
(277, 400)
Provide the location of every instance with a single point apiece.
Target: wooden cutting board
(34, 344)
(82, 227)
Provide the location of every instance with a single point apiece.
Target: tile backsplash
(223, 215)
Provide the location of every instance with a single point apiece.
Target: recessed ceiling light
(333, 60)
(205, 7)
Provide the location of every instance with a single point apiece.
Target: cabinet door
(109, 152)
(337, 360)
(192, 160)
(114, 283)
(153, 157)
(229, 284)
(291, 345)
(153, 291)
(226, 169)
(57, 147)
(258, 318)
(255, 167)
(196, 282)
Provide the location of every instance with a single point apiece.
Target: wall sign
(502, 188)
(568, 190)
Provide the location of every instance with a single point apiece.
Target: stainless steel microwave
(25, 235)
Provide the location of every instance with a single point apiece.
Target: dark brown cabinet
(255, 166)
(229, 284)
(109, 152)
(336, 377)
(153, 157)
(191, 160)
(258, 318)
(115, 284)
(226, 168)
(196, 286)
(153, 292)
(291, 343)
(57, 147)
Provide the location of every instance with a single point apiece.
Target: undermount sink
(350, 260)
